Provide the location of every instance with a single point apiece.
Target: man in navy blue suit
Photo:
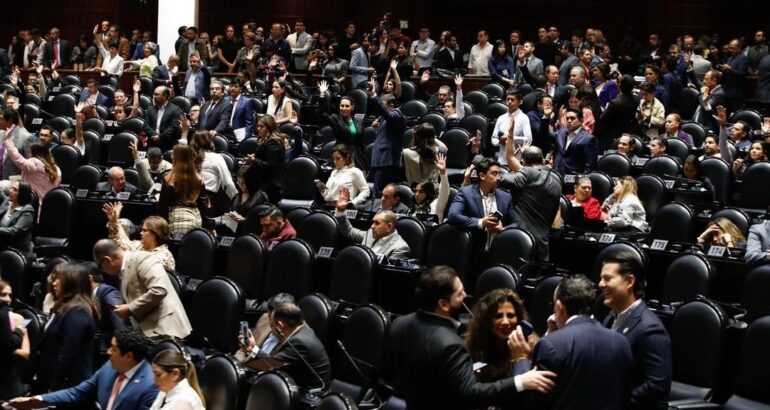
(241, 124)
(107, 297)
(474, 206)
(622, 286)
(593, 365)
(125, 382)
(575, 150)
(91, 94)
(388, 144)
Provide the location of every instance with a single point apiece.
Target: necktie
(234, 103)
(56, 61)
(115, 390)
(526, 62)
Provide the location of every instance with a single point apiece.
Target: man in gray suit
(381, 238)
(22, 139)
(758, 244)
(360, 66)
(150, 301)
(528, 66)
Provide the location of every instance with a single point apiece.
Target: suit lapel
(476, 194)
(127, 391)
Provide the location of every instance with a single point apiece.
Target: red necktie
(56, 61)
(115, 391)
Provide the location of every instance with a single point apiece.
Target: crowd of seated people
(228, 155)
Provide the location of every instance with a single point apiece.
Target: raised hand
(425, 76)
(459, 82)
(79, 107)
(134, 151)
(441, 163)
(372, 87)
(323, 87)
(137, 86)
(343, 199)
(185, 123)
(721, 116)
(39, 68)
(394, 64)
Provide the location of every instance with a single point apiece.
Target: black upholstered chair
(222, 381)
(246, 265)
(299, 189)
(511, 246)
(119, 152)
(686, 278)
(755, 290)
(13, 266)
(750, 383)
(652, 193)
(661, 166)
(319, 229)
(412, 231)
(195, 258)
(55, 224)
(289, 268)
(736, 216)
(673, 222)
(86, 177)
(352, 278)
(478, 99)
(498, 276)
(68, 159)
(615, 165)
(756, 175)
(274, 390)
(721, 176)
(540, 308)
(217, 309)
(602, 185)
(450, 246)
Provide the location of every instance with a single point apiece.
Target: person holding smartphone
(495, 316)
(14, 343)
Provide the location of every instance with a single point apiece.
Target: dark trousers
(382, 177)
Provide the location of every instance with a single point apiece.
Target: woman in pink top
(39, 170)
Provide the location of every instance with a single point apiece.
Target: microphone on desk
(363, 399)
(312, 394)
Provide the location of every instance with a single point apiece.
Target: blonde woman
(153, 236)
(177, 383)
(722, 232)
(622, 210)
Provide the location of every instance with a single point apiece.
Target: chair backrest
(318, 313)
(56, 214)
(736, 216)
(719, 173)
(63, 104)
(337, 401)
(195, 258)
(541, 306)
(93, 142)
(327, 150)
(677, 149)
(414, 109)
(754, 295)
(68, 159)
(751, 381)
(614, 165)
(436, 120)
(289, 267)
(32, 118)
(274, 390)
(364, 338)
(408, 91)
(756, 175)
(478, 99)
(86, 177)
(449, 246)
(412, 231)
(697, 333)
(661, 166)
(60, 123)
(246, 264)
(301, 173)
(13, 267)
(456, 141)
(146, 83)
(525, 89)
(319, 229)
(297, 215)
(217, 308)
(248, 146)
(613, 249)
(498, 276)
(688, 103)
(494, 90)
(473, 123)
(686, 278)
(510, 246)
(220, 143)
(132, 176)
(494, 110)
(697, 131)
(133, 124)
(182, 102)
(220, 381)
(360, 100)
(751, 117)
(602, 185)
(34, 98)
(353, 275)
(673, 222)
(652, 193)
(120, 149)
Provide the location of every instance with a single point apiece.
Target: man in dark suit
(164, 74)
(540, 115)
(189, 46)
(450, 57)
(428, 361)
(620, 115)
(127, 370)
(575, 150)
(386, 153)
(474, 206)
(91, 94)
(593, 364)
(711, 96)
(734, 73)
(196, 81)
(241, 122)
(390, 200)
(215, 113)
(162, 120)
(106, 297)
(622, 286)
(56, 53)
(116, 182)
(299, 346)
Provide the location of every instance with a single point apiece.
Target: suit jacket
(138, 393)
(18, 233)
(64, 54)
(304, 342)
(106, 187)
(757, 243)
(651, 348)
(593, 367)
(432, 369)
(101, 99)
(67, 348)
(343, 135)
(107, 296)
(22, 139)
(467, 208)
(300, 46)
(359, 67)
(619, 117)
(391, 246)
(388, 142)
(375, 205)
(184, 50)
(10, 340)
(161, 75)
(530, 70)
(707, 107)
(170, 130)
(244, 115)
(763, 82)
(201, 89)
(155, 307)
(566, 67)
(733, 80)
(446, 61)
(216, 119)
(579, 157)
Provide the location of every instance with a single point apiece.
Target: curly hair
(482, 344)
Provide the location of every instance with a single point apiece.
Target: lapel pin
(625, 330)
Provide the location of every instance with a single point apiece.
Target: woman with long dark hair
(347, 130)
(267, 163)
(182, 201)
(17, 218)
(279, 103)
(68, 342)
(501, 66)
(39, 170)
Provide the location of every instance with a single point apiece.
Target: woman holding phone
(495, 317)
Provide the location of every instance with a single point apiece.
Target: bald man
(116, 182)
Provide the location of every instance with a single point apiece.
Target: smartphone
(25, 322)
(245, 332)
(526, 328)
(497, 215)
